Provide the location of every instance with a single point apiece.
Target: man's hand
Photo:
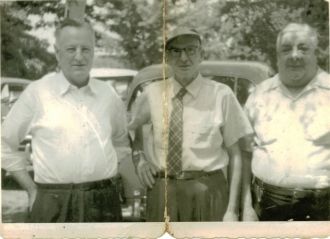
(146, 172)
(249, 215)
(26, 182)
(323, 140)
(32, 194)
(234, 180)
(230, 216)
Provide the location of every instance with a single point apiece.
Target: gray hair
(292, 27)
(68, 22)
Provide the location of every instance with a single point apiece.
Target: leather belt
(187, 175)
(79, 186)
(294, 193)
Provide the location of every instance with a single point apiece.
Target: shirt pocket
(204, 135)
(317, 128)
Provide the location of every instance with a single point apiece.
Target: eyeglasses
(190, 51)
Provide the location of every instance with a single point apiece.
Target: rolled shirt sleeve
(14, 129)
(120, 138)
(247, 143)
(236, 125)
(140, 112)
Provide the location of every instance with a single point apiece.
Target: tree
(130, 31)
(138, 25)
(247, 29)
(22, 55)
(258, 24)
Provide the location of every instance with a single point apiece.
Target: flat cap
(182, 31)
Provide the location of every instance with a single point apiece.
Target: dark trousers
(203, 198)
(85, 202)
(274, 203)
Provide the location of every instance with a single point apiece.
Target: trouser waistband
(290, 192)
(79, 186)
(186, 175)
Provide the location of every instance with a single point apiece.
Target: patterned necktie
(174, 164)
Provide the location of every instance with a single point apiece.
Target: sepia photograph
(132, 118)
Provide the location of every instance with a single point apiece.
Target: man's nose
(78, 54)
(295, 53)
(183, 55)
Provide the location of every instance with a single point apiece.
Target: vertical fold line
(165, 116)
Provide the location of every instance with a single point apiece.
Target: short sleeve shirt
(286, 129)
(212, 121)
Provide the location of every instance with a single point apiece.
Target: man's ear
(56, 52)
(202, 55)
(320, 53)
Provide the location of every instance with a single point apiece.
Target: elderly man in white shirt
(291, 153)
(78, 137)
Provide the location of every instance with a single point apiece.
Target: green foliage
(258, 24)
(138, 23)
(131, 30)
(247, 29)
(22, 55)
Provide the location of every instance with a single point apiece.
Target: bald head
(296, 55)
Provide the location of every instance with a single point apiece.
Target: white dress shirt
(78, 135)
(287, 151)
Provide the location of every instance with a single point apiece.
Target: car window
(9, 95)
(120, 84)
(240, 86)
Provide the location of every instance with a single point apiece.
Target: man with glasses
(196, 125)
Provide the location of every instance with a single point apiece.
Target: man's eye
(191, 50)
(71, 49)
(286, 49)
(86, 50)
(303, 48)
(176, 50)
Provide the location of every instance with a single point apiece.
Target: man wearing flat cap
(195, 133)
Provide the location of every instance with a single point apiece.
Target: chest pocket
(202, 134)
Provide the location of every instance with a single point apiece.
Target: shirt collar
(321, 79)
(193, 88)
(65, 85)
(276, 83)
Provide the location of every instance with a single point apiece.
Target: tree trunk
(75, 9)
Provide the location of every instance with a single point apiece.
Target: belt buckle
(299, 193)
(259, 192)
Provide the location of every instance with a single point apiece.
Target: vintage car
(11, 88)
(118, 78)
(240, 76)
